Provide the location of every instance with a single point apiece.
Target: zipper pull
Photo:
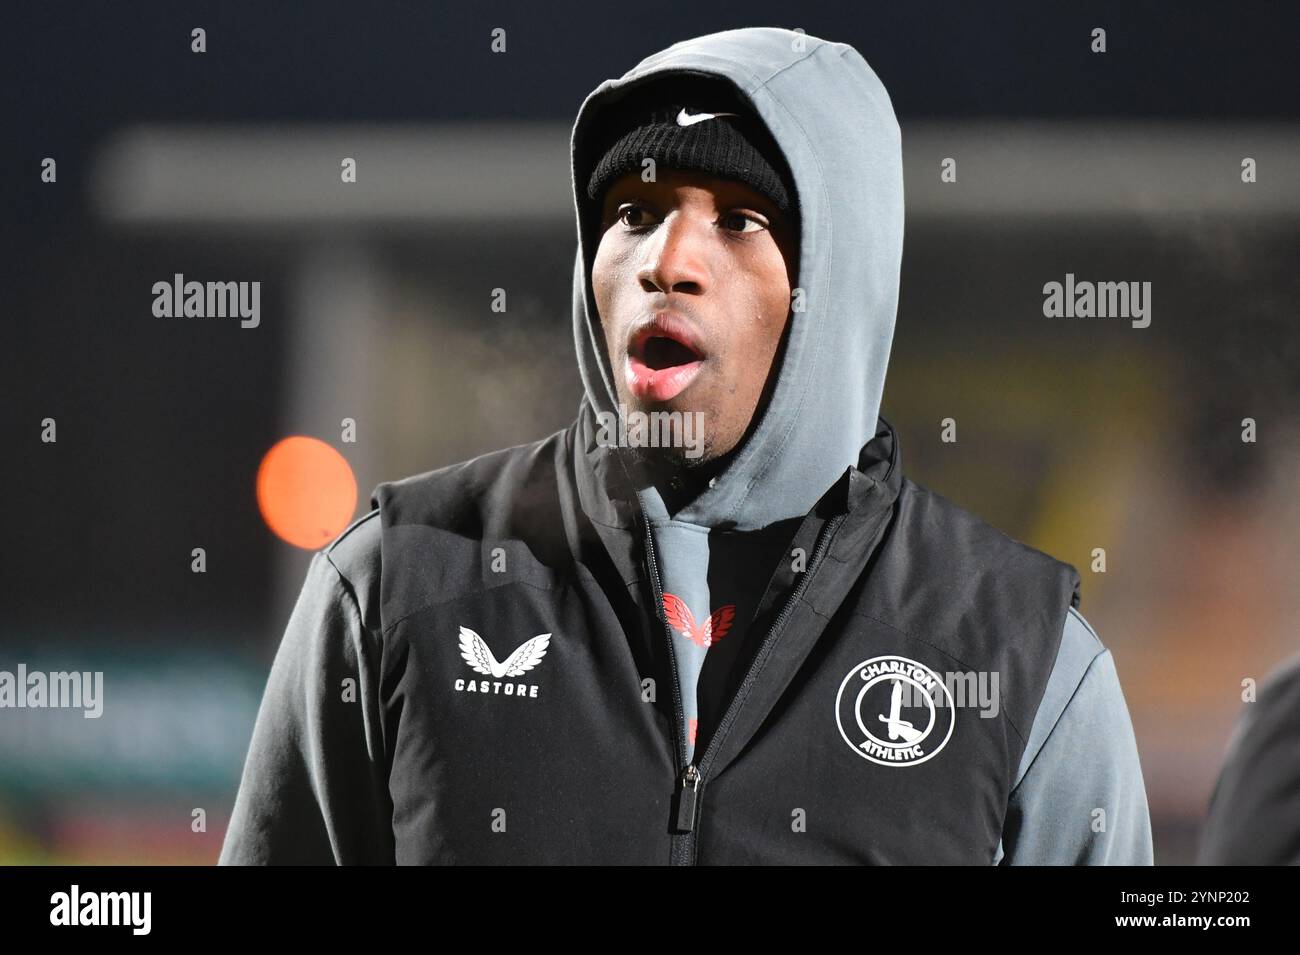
(687, 797)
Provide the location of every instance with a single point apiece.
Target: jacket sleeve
(1254, 816)
(314, 786)
(1080, 797)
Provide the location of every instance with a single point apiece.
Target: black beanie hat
(730, 143)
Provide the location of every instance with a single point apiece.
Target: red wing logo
(682, 620)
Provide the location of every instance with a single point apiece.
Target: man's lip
(664, 324)
(658, 384)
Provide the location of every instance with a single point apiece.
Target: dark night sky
(75, 71)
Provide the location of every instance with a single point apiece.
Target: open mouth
(660, 352)
(663, 358)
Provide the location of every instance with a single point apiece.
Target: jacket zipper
(679, 714)
(691, 779)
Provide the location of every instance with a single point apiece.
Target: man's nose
(676, 256)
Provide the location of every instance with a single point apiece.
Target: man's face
(692, 279)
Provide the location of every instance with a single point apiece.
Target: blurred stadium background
(376, 306)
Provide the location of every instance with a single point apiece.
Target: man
(757, 644)
(1253, 817)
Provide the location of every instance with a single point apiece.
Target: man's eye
(742, 222)
(633, 215)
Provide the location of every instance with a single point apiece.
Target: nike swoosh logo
(686, 119)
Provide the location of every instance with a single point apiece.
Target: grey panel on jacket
(1081, 757)
(314, 788)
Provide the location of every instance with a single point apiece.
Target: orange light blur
(306, 491)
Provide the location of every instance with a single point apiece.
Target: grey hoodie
(833, 121)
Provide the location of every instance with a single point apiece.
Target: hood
(833, 121)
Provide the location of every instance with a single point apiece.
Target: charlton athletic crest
(894, 711)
